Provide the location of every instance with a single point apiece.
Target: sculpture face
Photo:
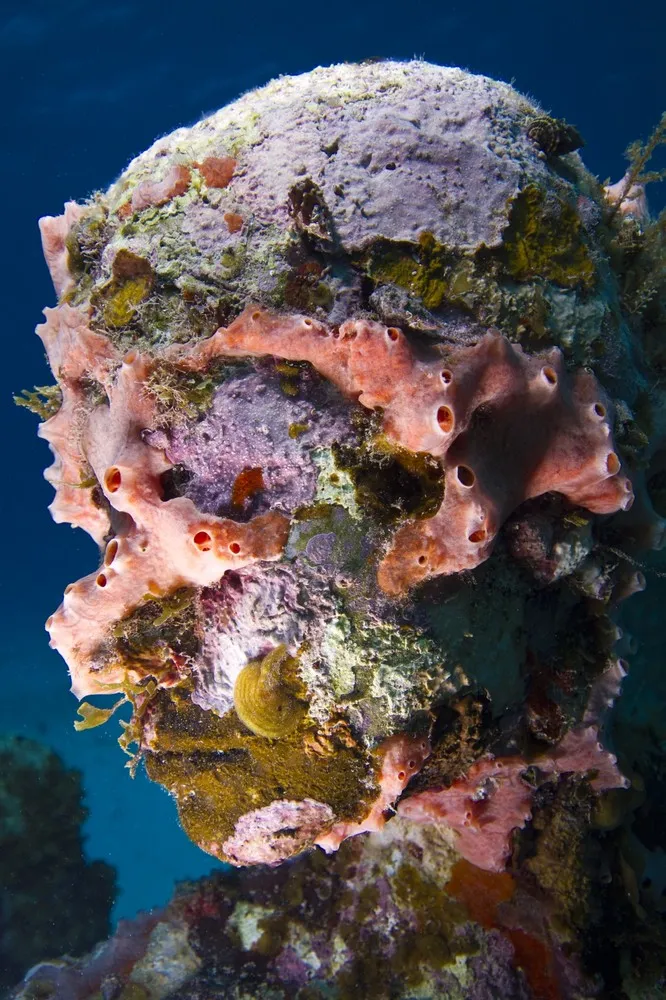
(313, 353)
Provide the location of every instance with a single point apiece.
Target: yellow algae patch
(218, 771)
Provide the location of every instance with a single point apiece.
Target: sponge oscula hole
(113, 479)
(445, 419)
(446, 376)
(111, 552)
(101, 580)
(465, 476)
(599, 410)
(549, 375)
(421, 560)
(392, 333)
(203, 541)
(612, 463)
(479, 535)
(234, 547)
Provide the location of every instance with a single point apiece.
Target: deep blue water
(86, 86)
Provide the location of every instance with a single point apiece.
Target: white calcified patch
(334, 485)
(460, 969)
(301, 941)
(246, 921)
(434, 841)
(339, 955)
(168, 961)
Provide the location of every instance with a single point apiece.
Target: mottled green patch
(422, 268)
(304, 290)
(563, 851)
(544, 239)
(437, 277)
(87, 238)
(182, 394)
(289, 388)
(131, 283)
(120, 308)
(334, 486)
(388, 669)
(391, 482)
(430, 940)
(438, 919)
(346, 535)
(158, 624)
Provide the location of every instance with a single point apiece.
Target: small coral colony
(359, 389)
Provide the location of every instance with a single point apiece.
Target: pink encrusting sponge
(350, 402)
(506, 427)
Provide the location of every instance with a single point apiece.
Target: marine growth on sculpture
(349, 395)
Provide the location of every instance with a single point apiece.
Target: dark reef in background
(52, 900)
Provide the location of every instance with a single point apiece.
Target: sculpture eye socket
(613, 463)
(479, 535)
(111, 552)
(113, 479)
(445, 419)
(465, 476)
(203, 541)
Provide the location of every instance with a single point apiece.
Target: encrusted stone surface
(358, 386)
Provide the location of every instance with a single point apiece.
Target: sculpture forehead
(395, 149)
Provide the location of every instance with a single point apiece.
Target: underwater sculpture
(357, 390)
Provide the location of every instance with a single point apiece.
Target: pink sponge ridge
(506, 426)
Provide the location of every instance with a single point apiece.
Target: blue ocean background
(85, 87)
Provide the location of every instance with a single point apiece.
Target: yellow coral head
(264, 695)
